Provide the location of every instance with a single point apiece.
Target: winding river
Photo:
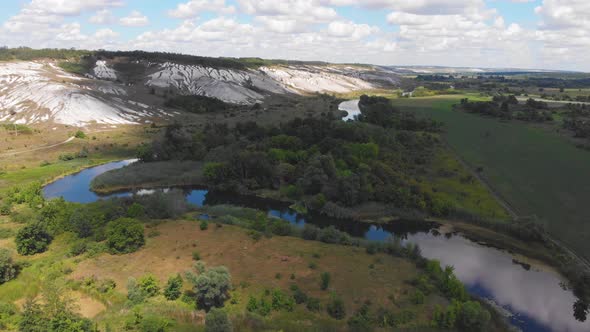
(532, 297)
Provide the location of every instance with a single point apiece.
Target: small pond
(350, 106)
(531, 296)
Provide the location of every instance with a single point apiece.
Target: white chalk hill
(39, 91)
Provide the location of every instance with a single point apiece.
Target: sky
(539, 34)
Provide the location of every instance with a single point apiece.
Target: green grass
(536, 171)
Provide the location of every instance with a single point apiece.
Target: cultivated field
(535, 170)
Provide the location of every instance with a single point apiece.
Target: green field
(535, 170)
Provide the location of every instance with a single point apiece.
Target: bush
(212, 287)
(32, 239)
(124, 235)
(335, 308)
(361, 321)
(78, 248)
(204, 225)
(134, 293)
(313, 304)
(310, 232)
(106, 285)
(5, 209)
(418, 297)
(217, 321)
(281, 301)
(136, 210)
(196, 255)
(8, 269)
(148, 285)
(173, 288)
(299, 295)
(280, 227)
(325, 280)
(80, 134)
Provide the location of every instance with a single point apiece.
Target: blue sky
(480, 33)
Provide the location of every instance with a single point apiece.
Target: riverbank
(167, 174)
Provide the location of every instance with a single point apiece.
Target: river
(532, 296)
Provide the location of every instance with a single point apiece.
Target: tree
(472, 317)
(212, 287)
(149, 285)
(32, 239)
(217, 321)
(134, 293)
(173, 288)
(124, 235)
(8, 269)
(32, 318)
(335, 308)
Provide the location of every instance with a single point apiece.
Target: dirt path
(45, 147)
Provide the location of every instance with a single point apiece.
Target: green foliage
(28, 194)
(86, 221)
(80, 134)
(325, 280)
(8, 269)
(212, 287)
(418, 297)
(465, 316)
(173, 288)
(134, 294)
(216, 320)
(19, 129)
(446, 281)
(252, 305)
(298, 295)
(148, 285)
(5, 208)
(124, 235)
(335, 307)
(196, 255)
(281, 301)
(204, 224)
(32, 239)
(56, 314)
(313, 304)
(136, 211)
(361, 321)
(197, 104)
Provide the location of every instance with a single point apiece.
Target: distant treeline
(507, 107)
(27, 53)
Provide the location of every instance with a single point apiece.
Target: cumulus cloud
(103, 16)
(135, 19)
(443, 32)
(192, 8)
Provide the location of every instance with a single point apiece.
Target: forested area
(26, 53)
(508, 107)
(328, 164)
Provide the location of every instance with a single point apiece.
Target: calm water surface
(533, 297)
(350, 106)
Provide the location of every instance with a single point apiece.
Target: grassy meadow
(536, 171)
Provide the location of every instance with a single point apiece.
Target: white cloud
(192, 8)
(443, 32)
(135, 19)
(350, 30)
(106, 34)
(103, 16)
